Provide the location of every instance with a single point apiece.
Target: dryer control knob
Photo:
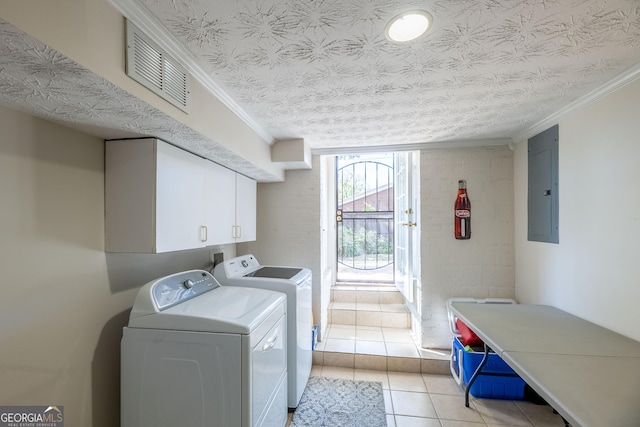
(188, 284)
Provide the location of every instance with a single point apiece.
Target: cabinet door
(220, 199)
(180, 189)
(246, 190)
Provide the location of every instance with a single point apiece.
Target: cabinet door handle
(204, 233)
(239, 231)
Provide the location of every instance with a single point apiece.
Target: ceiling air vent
(155, 69)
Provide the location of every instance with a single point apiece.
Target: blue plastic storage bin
(314, 337)
(498, 380)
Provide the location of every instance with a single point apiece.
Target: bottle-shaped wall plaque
(462, 213)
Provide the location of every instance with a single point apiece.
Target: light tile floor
(430, 400)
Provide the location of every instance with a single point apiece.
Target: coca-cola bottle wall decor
(462, 213)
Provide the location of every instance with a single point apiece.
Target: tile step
(426, 364)
(371, 310)
(369, 314)
(378, 348)
(366, 294)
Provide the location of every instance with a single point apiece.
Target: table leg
(475, 375)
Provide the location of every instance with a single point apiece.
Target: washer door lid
(227, 309)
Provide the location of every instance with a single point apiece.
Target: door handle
(236, 231)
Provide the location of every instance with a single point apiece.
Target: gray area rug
(332, 402)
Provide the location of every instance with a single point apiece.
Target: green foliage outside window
(362, 242)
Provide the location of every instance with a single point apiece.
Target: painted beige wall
(63, 300)
(91, 32)
(593, 272)
(481, 267)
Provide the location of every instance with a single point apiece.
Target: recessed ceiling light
(408, 26)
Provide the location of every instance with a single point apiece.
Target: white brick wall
(288, 221)
(482, 266)
(290, 228)
(289, 225)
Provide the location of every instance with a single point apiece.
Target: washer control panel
(239, 266)
(172, 290)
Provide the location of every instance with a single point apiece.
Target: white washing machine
(199, 354)
(295, 282)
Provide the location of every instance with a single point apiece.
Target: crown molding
(459, 143)
(141, 17)
(608, 88)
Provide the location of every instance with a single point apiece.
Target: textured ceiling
(323, 70)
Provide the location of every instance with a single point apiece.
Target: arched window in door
(365, 201)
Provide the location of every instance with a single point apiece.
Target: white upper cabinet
(221, 203)
(181, 222)
(160, 198)
(233, 207)
(246, 190)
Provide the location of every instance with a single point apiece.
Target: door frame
(408, 236)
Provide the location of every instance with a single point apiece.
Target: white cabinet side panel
(129, 195)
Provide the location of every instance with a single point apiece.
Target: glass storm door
(407, 238)
(365, 221)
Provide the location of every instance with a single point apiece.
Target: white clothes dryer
(295, 282)
(199, 354)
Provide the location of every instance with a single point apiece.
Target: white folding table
(589, 374)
